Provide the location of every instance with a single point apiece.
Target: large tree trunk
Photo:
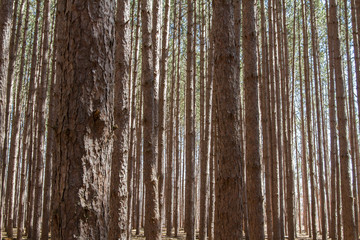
(152, 221)
(227, 88)
(118, 182)
(85, 75)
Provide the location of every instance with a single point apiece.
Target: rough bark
(85, 75)
(118, 183)
(156, 51)
(265, 109)
(253, 166)
(152, 220)
(162, 119)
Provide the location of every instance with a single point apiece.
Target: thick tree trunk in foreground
(85, 76)
(118, 182)
(227, 186)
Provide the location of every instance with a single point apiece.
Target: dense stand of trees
(223, 119)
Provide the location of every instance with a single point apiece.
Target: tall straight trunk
(227, 88)
(132, 154)
(118, 183)
(253, 166)
(204, 172)
(156, 51)
(333, 132)
(210, 100)
(28, 116)
(279, 75)
(320, 137)
(50, 139)
(287, 131)
(346, 190)
(131, 124)
(303, 148)
(162, 117)
(81, 174)
(14, 40)
(190, 134)
(265, 121)
(309, 121)
(41, 101)
(357, 71)
(272, 117)
(177, 128)
(352, 125)
(13, 46)
(16, 124)
(6, 12)
(152, 220)
(139, 162)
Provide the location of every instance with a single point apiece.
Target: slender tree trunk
(16, 124)
(6, 12)
(204, 136)
(50, 139)
(320, 138)
(253, 168)
(41, 101)
(14, 40)
(346, 190)
(177, 129)
(190, 139)
(162, 117)
(265, 122)
(152, 220)
(118, 183)
(156, 51)
(309, 122)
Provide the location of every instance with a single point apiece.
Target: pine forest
(180, 119)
